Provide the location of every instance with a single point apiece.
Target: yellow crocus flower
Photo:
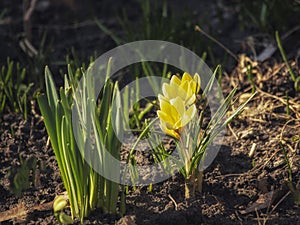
(174, 115)
(185, 88)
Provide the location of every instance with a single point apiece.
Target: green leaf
(48, 120)
(297, 84)
(50, 89)
(116, 39)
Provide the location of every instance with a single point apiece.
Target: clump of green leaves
(20, 177)
(13, 90)
(87, 190)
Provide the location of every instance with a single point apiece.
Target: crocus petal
(193, 86)
(191, 100)
(162, 98)
(175, 80)
(178, 104)
(170, 132)
(171, 114)
(189, 115)
(186, 77)
(165, 117)
(183, 94)
(175, 114)
(185, 85)
(177, 125)
(169, 91)
(198, 82)
(166, 106)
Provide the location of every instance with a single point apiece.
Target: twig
(173, 200)
(232, 131)
(258, 217)
(48, 142)
(238, 217)
(78, 25)
(271, 48)
(27, 17)
(197, 28)
(28, 48)
(29, 11)
(252, 150)
(281, 200)
(21, 211)
(290, 32)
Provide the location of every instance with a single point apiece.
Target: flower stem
(193, 183)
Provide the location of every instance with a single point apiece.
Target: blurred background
(36, 33)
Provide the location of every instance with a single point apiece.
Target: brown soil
(237, 188)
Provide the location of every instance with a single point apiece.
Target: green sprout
(295, 79)
(250, 77)
(20, 177)
(13, 90)
(86, 189)
(287, 163)
(59, 204)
